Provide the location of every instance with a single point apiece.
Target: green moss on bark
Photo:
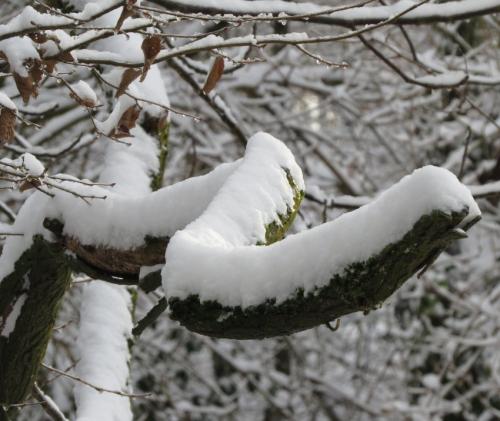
(163, 135)
(276, 230)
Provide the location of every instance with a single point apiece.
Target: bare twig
(93, 386)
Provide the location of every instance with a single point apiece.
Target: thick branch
(105, 262)
(36, 286)
(362, 286)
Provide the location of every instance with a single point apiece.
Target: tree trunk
(37, 285)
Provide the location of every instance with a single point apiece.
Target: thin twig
(93, 386)
(464, 156)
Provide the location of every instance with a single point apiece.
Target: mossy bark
(362, 286)
(107, 263)
(163, 135)
(41, 275)
(276, 230)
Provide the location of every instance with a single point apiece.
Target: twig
(464, 156)
(228, 120)
(93, 386)
(48, 404)
(150, 318)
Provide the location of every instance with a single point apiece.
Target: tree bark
(40, 278)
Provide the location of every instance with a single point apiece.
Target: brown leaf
(120, 133)
(84, 102)
(127, 11)
(151, 46)
(38, 37)
(35, 70)
(128, 119)
(25, 86)
(65, 56)
(214, 75)
(7, 125)
(28, 85)
(50, 65)
(30, 183)
(128, 77)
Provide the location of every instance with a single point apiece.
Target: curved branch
(362, 286)
(220, 279)
(350, 264)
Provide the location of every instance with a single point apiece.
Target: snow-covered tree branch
(307, 161)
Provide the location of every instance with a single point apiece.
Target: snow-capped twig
(48, 404)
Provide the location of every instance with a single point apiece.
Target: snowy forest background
(358, 113)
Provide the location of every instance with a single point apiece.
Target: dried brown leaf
(127, 11)
(25, 86)
(128, 77)
(84, 102)
(35, 69)
(214, 75)
(7, 125)
(129, 118)
(50, 65)
(30, 183)
(151, 46)
(38, 37)
(65, 56)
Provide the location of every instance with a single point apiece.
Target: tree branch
(432, 13)
(362, 286)
(37, 285)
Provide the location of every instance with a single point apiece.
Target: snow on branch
(224, 276)
(356, 14)
(240, 290)
(31, 20)
(105, 325)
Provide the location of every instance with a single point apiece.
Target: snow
(94, 8)
(359, 14)
(6, 102)
(105, 325)
(122, 221)
(263, 6)
(451, 78)
(485, 189)
(30, 18)
(146, 270)
(18, 50)
(121, 106)
(239, 212)
(248, 195)
(10, 323)
(84, 91)
(32, 165)
(431, 381)
(234, 273)
(105, 315)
